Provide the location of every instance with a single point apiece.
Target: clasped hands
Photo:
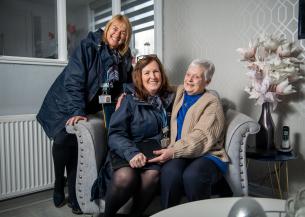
(162, 156)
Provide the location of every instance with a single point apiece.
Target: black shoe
(77, 211)
(58, 199)
(74, 206)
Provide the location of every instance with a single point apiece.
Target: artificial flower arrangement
(274, 64)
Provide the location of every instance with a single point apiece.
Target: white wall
(213, 30)
(23, 87)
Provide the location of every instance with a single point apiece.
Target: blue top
(188, 101)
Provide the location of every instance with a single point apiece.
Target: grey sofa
(91, 151)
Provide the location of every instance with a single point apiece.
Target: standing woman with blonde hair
(96, 73)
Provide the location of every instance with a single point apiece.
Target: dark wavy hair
(141, 92)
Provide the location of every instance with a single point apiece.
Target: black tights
(127, 182)
(65, 157)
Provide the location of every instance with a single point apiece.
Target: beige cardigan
(202, 130)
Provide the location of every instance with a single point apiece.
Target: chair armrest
(238, 126)
(92, 149)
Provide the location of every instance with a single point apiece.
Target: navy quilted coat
(80, 81)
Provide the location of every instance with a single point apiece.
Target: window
(79, 21)
(102, 13)
(30, 30)
(47, 31)
(141, 16)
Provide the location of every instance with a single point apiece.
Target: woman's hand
(73, 120)
(138, 161)
(118, 104)
(164, 155)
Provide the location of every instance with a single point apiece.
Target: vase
(265, 137)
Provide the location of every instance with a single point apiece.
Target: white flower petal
(281, 86)
(273, 64)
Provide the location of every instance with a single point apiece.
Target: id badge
(105, 98)
(164, 142)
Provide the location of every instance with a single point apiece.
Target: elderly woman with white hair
(195, 158)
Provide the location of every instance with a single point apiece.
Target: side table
(278, 159)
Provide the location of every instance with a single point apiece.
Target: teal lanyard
(164, 118)
(165, 129)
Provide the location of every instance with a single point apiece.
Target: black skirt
(146, 147)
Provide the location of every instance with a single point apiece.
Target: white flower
(284, 88)
(273, 65)
(248, 54)
(271, 43)
(289, 50)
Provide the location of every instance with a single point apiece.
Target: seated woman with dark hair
(195, 158)
(138, 125)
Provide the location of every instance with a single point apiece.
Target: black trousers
(65, 157)
(191, 177)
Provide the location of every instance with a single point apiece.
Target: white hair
(207, 65)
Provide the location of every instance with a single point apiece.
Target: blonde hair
(123, 48)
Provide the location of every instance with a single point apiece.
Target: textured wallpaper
(277, 17)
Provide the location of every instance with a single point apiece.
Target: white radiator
(26, 164)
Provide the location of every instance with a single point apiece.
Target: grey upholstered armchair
(91, 152)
